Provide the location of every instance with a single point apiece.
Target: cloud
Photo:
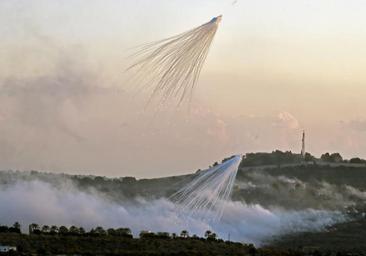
(43, 203)
(287, 120)
(356, 125)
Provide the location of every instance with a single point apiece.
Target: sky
(275, 68)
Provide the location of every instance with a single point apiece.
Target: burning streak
(172, 66)
(206, 195)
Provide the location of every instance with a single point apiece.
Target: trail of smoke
(205, 196)
(172, 66)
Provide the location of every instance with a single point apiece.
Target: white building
(5, 248)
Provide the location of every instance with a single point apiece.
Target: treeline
(337, 158)
(274, 158)
(52, 240)
(12, 229)
(35, 229)
(279, 157)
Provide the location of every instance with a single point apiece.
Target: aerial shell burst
(172, 66)
(205, 196)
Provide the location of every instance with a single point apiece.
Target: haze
(275, 68)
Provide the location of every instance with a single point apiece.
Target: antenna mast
(303, 152)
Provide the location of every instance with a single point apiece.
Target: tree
(163, 235)
(129, 180)
(333, 158)
(74, 231)
(63, 230)
(357, 160)
(208, 233)
(46, 229)
(34, 229)
(184, 234)
(124, 232)
(54, 230)
(309, 157)
(111, 232)
(17, 226)
(4, 229)
(213, 236)
(146, 234)
(252, 250)
(336, 157)
(325, 157)
(100, 231)
(81, 231)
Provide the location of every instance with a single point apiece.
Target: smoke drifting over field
(269, 190)
(43, 203)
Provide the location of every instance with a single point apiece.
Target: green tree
(46, 229)
(357, 160)
(15, 228)
(332, 158)
(34, 229)
(309, 157)
(54, 230)
(74, 231)
(163, 235)
(82, 231)
(336, 157)
(100, 231)
(208, 233)
(63, 230)
(213, 236)
(125, 232)
(16, 225)
(184, 234)
(146, 234)
(111, 232)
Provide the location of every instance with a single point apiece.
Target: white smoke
(40, 202)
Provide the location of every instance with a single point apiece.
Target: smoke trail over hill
(208, 193)
(42, 203)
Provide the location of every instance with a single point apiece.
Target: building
(6, 248)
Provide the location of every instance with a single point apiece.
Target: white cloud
(287, 120)
(42, 203)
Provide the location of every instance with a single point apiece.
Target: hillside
(318, 184)
(278, 184)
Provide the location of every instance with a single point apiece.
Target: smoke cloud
(40, 202)
(269, 190)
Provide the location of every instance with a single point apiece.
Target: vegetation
(98, 241)
(50, 240)
(13, 229)
(342, 238)
(278, 157)
(332, 158)
(357, 160)
(268, 171)
(275, 158)
(129, 188)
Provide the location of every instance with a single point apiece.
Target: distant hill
(277, 178)
(273, 180)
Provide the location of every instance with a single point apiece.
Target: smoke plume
(40, 202)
